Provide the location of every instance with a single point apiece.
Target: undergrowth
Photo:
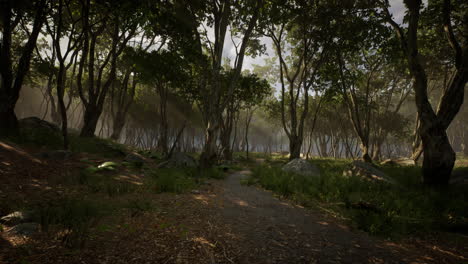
(378, 208)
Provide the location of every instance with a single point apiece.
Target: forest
(230, 131)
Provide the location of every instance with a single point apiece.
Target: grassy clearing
(377, 208)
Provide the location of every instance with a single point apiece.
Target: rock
(25, 229)
(195, 192)
(367, 171)
(17, 218)
(135, 158)
(302, 167)
(33, 123)
(179, 160)
(56, 155)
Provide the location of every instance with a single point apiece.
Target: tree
(13, 73)
(439, 157)
(250, 91)
(300, 40)
(123, 91)
(221, 16)
(101, 22)
(64, 24)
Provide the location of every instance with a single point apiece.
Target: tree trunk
(90, 118)
(118, 125)
(226, 145)
(295, 144)
(9, 125)
(225, 133)
(465, 144)
(365, 153)
(439, 157)
(209, 157)
(417, 148)
(63, 110)
(163, 140)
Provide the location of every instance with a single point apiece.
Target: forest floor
(219, 221)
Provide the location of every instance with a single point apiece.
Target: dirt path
(274, 231)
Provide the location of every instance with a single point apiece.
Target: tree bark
(295, 145)
(209, 157)
(465, 144)
(9, 121)
(118, 125)
(90, 119)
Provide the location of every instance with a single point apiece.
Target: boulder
(33, 123)
(366, 171)
(302, 167)
(17, 218)
(179, 160)
(135, 158)
(25, 229)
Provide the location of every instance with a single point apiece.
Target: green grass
(378, 208)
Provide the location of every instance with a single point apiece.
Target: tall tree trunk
(226, 131)
(209, 156)
(439, 157)
(365, 153)
(295, 144)
(90, 119)
(118, 125)
(63, 110)
(9, 122)
(226, 145)
(416, 147)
